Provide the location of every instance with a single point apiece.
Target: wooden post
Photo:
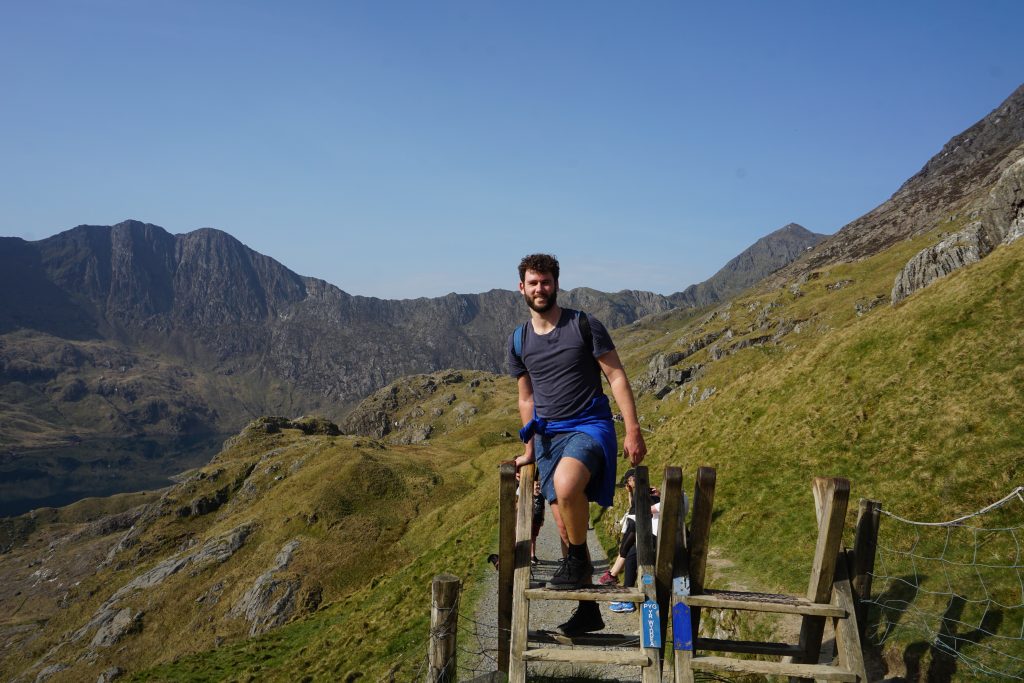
(682, 625)
(848, 643)
(521, 576)
(645, 560)
(700, 535)
(865, 544)
(444, 618)
(834, 495)
(506, 558)
(671, 502)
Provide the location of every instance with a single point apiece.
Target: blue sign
(682, 634)
(650, 624)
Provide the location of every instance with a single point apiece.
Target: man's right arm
(525, 414)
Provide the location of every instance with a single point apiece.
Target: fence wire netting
(949, 596)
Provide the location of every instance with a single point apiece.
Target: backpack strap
(588, 336)
(517, 340)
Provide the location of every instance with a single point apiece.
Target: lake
(53, 477)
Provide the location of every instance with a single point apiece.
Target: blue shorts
(549, 450)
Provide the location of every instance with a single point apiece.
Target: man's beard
(551, 301)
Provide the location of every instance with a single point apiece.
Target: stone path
(546, 615)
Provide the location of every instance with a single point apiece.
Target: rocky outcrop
(115, 619)
(214, 551)
(275, 595)
(110, 674)
(960, 249)
(1002, 221)
(662, 377)
(125, 621)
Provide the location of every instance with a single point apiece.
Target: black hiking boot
(585, 619)
(572, 573)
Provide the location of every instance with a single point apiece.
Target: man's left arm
(633, 446)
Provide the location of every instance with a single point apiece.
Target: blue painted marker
(650, 634)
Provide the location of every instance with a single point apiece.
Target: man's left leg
(573, 473)
(571, 479)
(581, 458)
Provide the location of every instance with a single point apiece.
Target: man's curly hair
(538, 263)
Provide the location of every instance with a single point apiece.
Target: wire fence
(947, 596)
(951, 594)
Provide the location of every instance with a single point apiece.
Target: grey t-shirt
(563, 372)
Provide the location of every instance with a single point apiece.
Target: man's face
(540, 290)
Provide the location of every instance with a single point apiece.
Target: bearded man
(557, 358)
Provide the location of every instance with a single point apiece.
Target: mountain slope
(956, 177)
(759, 260)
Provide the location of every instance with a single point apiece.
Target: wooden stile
(834, 495)
(572, 648)
(829, 595)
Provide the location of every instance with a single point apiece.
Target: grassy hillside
(373, 525)
(918, 404)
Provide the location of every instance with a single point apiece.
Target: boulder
(311, 425)
(205, 504)
(124, 622)
(110, 674)
(49, 671)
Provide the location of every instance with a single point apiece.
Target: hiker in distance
(557, 358)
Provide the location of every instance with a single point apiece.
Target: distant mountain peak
(763, 257)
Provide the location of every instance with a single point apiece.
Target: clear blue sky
(402, 149)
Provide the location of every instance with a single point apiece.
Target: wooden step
(623, 658)
(763, 602)
(599, 593)
(747, 647)
(816, 671)
(591, 639)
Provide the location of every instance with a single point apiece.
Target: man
(567, 420)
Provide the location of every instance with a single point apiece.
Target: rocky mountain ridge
(205, 333)
(959, 175)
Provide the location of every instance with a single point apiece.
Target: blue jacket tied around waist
(595, 421)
